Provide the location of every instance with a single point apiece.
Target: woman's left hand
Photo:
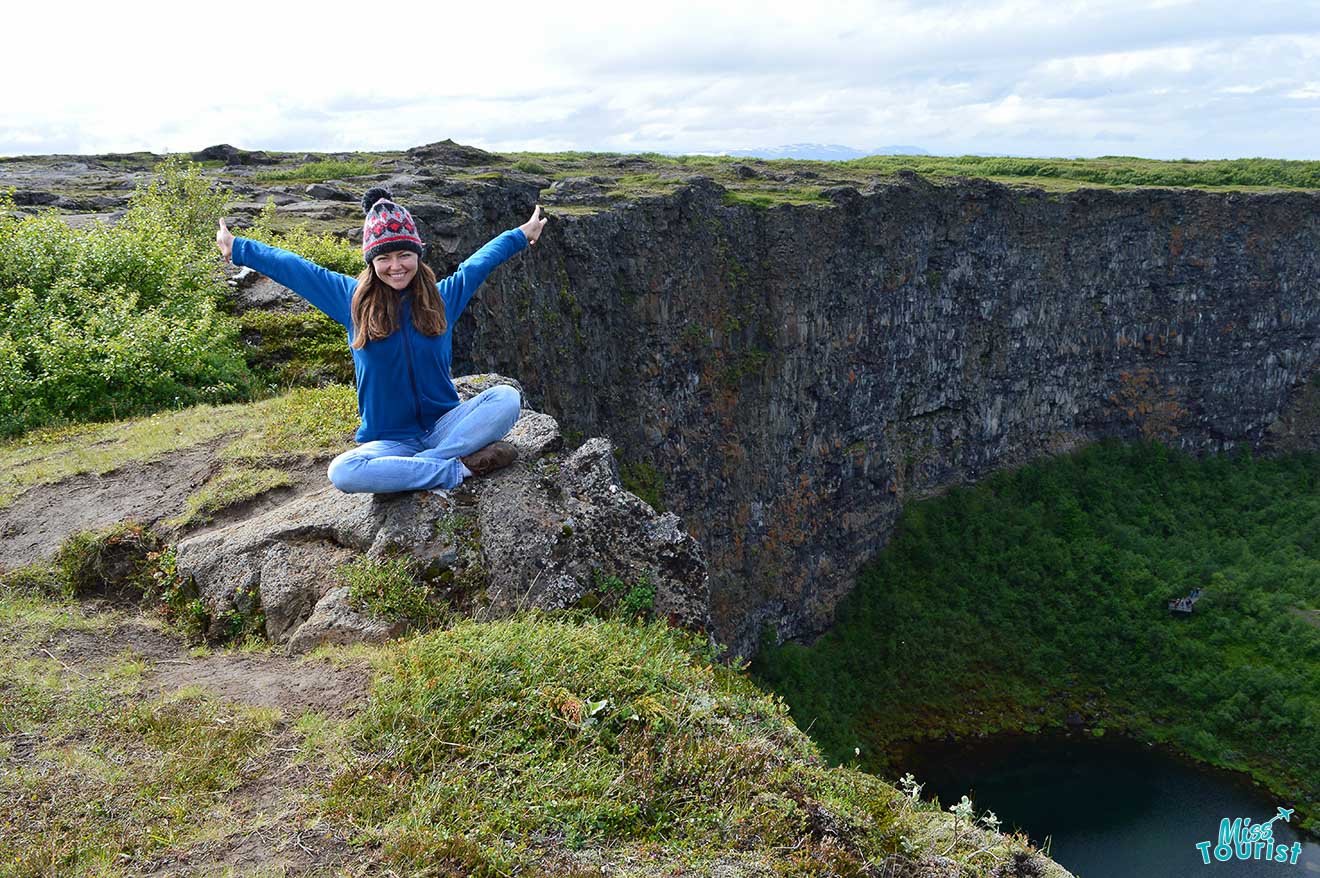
(532, 228)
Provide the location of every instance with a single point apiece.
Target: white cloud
(1165, 79)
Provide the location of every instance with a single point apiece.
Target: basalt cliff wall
(795, 374)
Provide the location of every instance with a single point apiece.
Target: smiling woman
(415, 433)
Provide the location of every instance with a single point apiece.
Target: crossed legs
(430, 461)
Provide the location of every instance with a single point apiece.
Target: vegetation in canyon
(1042, 593)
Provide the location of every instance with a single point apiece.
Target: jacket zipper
(412, 375)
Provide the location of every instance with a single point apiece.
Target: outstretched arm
(457, 289)
(329, 291)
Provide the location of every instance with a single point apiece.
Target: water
(1108, 808)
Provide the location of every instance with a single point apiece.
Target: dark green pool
(1110, 808)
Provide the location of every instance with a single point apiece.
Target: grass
(566, 733)
(113, 777)
(763, 199)
(232, 485)
(1049, 173)
(318, 171)
(519, 747)
(389, 589)
(1111, 170)
(302, 423)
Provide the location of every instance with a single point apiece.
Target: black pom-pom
(374, 194)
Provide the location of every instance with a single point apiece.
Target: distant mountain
(823, 151)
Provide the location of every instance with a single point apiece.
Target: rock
(232, 155)
(326, 192)
(547, 532)
(324, 210)
(452, 154)
(842, 195)
(253, 290)
(222, 152)
(31, 198)
(579, 190)
(335, 621)
(746, 172)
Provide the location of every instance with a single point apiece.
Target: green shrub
(327, 251)
(108, 321)
(296, 349)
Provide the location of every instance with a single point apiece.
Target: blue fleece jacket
(403, 382)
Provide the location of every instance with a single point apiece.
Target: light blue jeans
(431, 461)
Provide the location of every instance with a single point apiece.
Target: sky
(1158, 78)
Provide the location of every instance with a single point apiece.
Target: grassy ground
(255, 442)
(533, 746)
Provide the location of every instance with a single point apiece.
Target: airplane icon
(1284, 814)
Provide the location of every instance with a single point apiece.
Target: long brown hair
(375, 306)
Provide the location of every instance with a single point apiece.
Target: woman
(415, 434)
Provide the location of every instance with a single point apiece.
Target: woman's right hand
(224, 239)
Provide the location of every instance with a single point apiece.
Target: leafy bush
(178, 600)
(325, 250)
(289, 349)
(111, 320)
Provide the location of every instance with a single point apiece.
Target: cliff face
(795, 374)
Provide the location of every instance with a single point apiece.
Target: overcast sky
(1157, 78)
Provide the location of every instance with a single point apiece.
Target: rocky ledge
(553, 531)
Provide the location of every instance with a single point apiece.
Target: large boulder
(553, 531)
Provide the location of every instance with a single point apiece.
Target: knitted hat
(388, 226)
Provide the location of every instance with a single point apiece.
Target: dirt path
(270, 825)
(261, 679)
